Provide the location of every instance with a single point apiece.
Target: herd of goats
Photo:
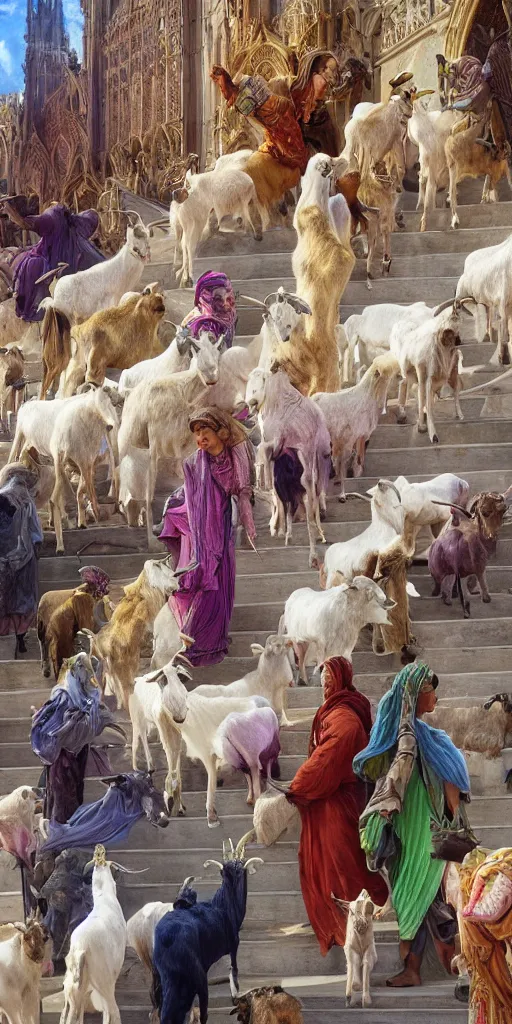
(313, 388)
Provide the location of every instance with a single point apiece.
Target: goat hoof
(486, 598)
(181, 812)
(422, 428)
(467, 614)
(447, 601)
(342, 498)
(314, 563)
(213, 822)
(258, 237)
(302, 682)
(505, 358)
(435, 439)
(46, 673)
(401, 418)
(82, 526)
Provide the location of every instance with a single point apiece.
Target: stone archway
(463, 35)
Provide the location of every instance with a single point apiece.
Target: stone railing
(400, 18)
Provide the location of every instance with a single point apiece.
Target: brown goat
(379, 192)
(60, 616)
(480, 729)
(12, 369)
(467, 158)
(56, 348)
(269, 1005)
(118, 337)
(391, 569)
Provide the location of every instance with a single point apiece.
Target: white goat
(159, 699)
(156, 420)
(80, 295)
(22, 959)
(229, 192)
(352, 415)
(331, 620)
(175, 359)
(429, 130)
(80, 430)
(18, 822)
(419, 504)
(368, 332)
(96, 951)
(380, 135)
(360, 950)
(140, 930)
(350, 557)
(270, 679)
(486, 280)
(428, 354)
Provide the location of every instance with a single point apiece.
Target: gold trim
(461, 20)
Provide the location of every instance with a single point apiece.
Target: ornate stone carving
(400, 18)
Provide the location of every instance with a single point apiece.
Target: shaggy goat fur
(12, 368)
(480, 729)
(273, 815)
(271, 180)
(58, 622)
(392, 564)
(270, 1005)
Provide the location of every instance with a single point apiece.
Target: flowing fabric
(62, 731)
(212, 312)
(330, 799)
(277, 116)
(486, 945)
(68, 894)
(64, 239)
(409, 761)
(105, 821)
(319, 131)
(200, 528)
(20, 531)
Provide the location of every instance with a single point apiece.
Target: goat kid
(360, 949)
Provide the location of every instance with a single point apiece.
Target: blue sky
(13, 14)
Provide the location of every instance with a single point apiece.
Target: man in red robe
(330, 799)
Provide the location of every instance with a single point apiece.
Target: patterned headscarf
(436, 748)
(210, 313)
(230, 431)
(95, 578)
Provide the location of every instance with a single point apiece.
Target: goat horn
(216, 862)
(52, 273)
(157, 223)
(253, 860)
(171, 322)
(271, 295)
(390, 484)
(240, 846)
(188, 881)
(451, 504)
(355, 494)
(249, 298)
(128, 870)
(488, 383)
(444, 305)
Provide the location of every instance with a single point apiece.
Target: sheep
(116, 337)
(428, 354)
(96, 951)
(293, 429)
(270, 679)
(268, 1005)
(192, 938)
(119, 643)
(18, 823)
(331, 620)
(79, 431)
(12, 384)
(429, 130)
(482, 729)
(485, 282)
(468, 158)
(227, 193)
(360, 948)
(158, 699)
(464, 548)
(368, 332)
(22, 961)
(352, 415)
(156, 417)
(322, 263)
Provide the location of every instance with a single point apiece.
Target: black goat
(190, 939)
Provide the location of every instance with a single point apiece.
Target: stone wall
(416, 53)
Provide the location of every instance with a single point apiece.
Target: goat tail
(156, 994)
(56, 345)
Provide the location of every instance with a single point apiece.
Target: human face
(426, 702)
(329, 71)
(220, 299)
(327, 683)
(207, 440)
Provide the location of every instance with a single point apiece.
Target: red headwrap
(345, 696)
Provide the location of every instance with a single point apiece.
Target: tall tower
(47, 52)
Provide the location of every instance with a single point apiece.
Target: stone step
(470, 216)
(279, 265)
(130, 1015)
(439, 458)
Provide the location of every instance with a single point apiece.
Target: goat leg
(447, 589)
(366, 998)
(401, 416)
(212, 816)
(484, 590)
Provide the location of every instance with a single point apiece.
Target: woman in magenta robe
(330, 799)
(200, 530)
(65, 238)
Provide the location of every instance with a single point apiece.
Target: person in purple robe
(199, 529)
(65, 238)
(21, 539)
(215, 307)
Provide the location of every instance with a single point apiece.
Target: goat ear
(3, 350)
(257, 649)
(26, 793)
(112, 780)
(183, 673)
(344, 905)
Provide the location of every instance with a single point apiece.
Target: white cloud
(9, 8)
(5, 58)
(74, 23)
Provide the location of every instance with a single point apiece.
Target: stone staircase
(472, 657)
